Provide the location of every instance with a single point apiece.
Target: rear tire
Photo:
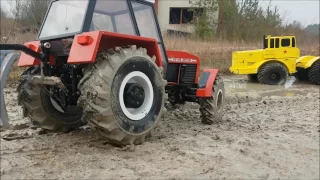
(253, 77)
(211, 109)
(301, 74)
(37, 105)
(273, 74)
(314, 73)
(102, 88)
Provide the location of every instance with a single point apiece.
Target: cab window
(145, 20)
(285, 42)
(113, 16)
(272, 43)
(277, 42)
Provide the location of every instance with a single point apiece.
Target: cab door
(288, 48)
(289, 53)
(269, 52)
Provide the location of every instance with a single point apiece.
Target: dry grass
(14, 75)
(214, 54)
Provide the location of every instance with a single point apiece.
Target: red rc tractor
(104, 63)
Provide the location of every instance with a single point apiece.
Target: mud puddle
(246, 91)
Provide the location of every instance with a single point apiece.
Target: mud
(267, 132)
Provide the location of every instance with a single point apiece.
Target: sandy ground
(267, 133)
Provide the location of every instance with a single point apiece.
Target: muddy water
(267, 132)
(291, 87)
(240, 86)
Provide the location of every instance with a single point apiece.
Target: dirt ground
(268, 132)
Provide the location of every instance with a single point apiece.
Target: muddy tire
(252, 77)
(273, 74)
(314, 73)
(104, 95)
(301, 74)
(211, 109)
(38, 106)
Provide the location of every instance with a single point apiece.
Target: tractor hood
(245, 54)
(244, 60)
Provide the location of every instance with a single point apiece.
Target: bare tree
(9, 20)
(33, 13)
(220, 17)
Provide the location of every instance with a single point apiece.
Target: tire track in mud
(264, 135)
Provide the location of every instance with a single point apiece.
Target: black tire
(100, 89)
(314, 73)
(211, 109)
(253, 77)
(273, 74)
(301, 74)
(37, 105)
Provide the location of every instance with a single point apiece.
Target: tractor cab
(65, 19)
(280, 47)
(274, 41)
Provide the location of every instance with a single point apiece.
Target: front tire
(273, 74)
(211, 109)
(38, 106)
(111, 109)
(314, 73)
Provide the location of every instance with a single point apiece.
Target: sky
(304, 11)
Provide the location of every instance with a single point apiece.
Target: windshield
(64, 17)
(112, 16)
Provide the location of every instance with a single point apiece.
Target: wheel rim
(144, 82)
(275, 77)
(219, 101)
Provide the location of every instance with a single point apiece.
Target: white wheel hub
(140, 78)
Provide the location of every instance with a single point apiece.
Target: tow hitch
(7, 59)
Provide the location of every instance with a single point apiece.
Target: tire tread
(314, 72)
(99, 115)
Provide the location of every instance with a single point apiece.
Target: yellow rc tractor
(279, 58)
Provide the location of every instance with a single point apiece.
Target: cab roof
(286, 36)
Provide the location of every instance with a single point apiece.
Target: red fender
(206, 82)
(86, 45)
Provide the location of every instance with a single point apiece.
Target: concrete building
(174, 15)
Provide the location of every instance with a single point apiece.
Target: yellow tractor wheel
(314, 73)
(273, 74)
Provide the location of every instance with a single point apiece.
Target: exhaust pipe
(7, 59)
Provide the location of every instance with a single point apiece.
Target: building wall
(164, 14)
